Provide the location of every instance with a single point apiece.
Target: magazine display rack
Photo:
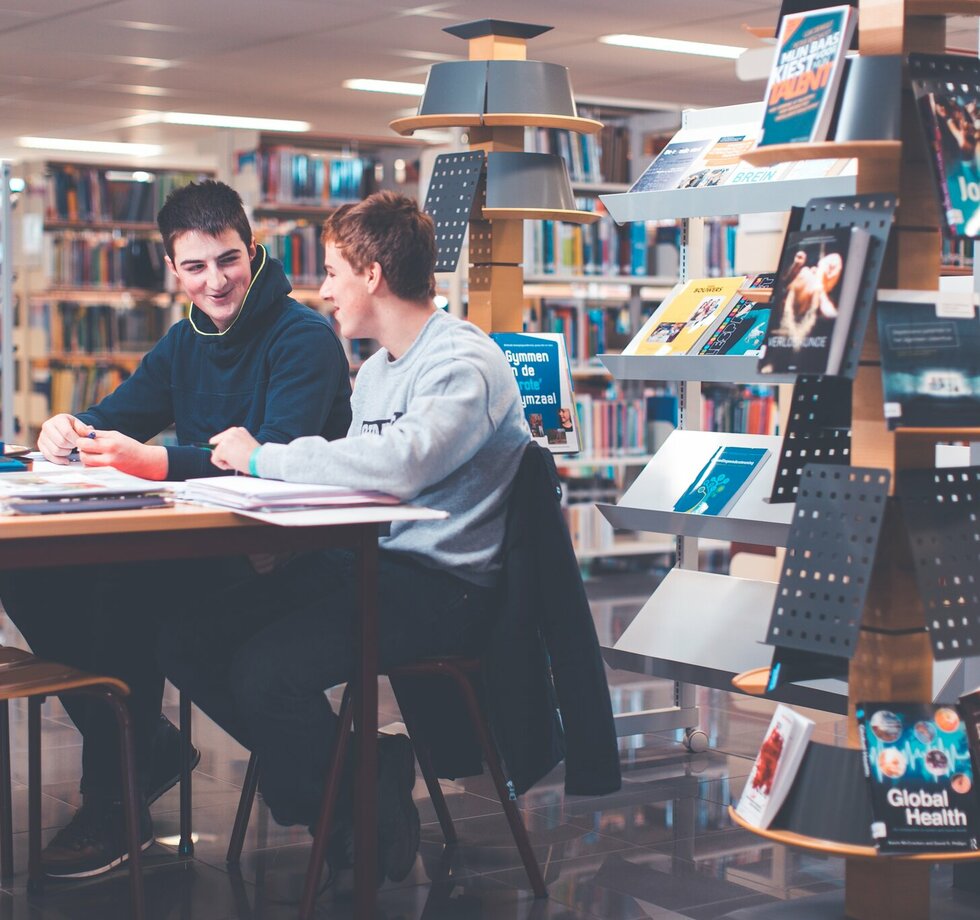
(893, 659)
(942, 516)
(818, 430)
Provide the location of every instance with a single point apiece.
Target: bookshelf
(290, 183)
(7, 372)
(95, 290)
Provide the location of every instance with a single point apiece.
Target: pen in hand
(73, 453)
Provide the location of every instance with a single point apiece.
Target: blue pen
(73, 453)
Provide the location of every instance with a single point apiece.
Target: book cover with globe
(917, 760)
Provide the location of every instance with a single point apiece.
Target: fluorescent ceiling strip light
(673, 46)
(233, 121)
(386, 86)
(80, 146)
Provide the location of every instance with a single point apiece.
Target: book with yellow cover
(686, 317)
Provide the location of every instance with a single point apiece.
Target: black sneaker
(398, 819)
(93, 842)
(164, 771)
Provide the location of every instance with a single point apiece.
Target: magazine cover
(917, 759)
(540, 366)
(816, 290)
(685, 318)
(947, 92)
(673, 162)
(741, 332)
(775, 767)
(930, 359)
(806, 75)
(722, 480)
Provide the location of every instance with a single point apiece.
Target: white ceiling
(74, 68)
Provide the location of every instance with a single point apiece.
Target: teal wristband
(253, 462)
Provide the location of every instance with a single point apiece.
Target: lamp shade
(529, 86)
(534, 186)
(454, 88)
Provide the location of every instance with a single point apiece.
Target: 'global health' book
(806, 75)
(775, 767)
(820, 273)
(930, 358)
(722, 480)
(540, 365)
(686, 317)
(917, 760)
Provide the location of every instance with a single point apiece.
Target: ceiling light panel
(673, 46)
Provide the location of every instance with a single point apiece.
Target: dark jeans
(104, 619)
(258, 661)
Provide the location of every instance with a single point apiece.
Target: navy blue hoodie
(279, 370)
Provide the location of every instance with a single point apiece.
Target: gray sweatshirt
(440, 427)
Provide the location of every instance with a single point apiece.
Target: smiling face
(350, 294)
(214, 271)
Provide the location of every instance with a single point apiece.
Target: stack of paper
(243, 493)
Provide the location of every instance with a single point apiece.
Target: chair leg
(436, 796)
(130, 794)
(504, 791)
(186, 845)
(6, 801)
(244, 811)
(324, 821)
(34, 877)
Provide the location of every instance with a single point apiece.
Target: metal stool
(22, 675)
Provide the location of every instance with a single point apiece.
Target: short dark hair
(389, 229)
(210, 207)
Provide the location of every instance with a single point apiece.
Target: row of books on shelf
(96, 259)
(589, 530)
(90, 193)
(920, 761)
(297, 245)
(99, 328)
(749, 409)
(602, 248)
(590, 158)
(72, 389)
(611, 426)
(290, 176)
(586, 332)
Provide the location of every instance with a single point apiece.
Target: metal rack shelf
(647, 504)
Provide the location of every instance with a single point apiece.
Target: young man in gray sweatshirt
(438, 422)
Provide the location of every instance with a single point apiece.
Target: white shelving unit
(698, 628)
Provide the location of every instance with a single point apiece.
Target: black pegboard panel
(875, 213)
(830, 552)
(452, 190)
(942, 516)
(818, 430)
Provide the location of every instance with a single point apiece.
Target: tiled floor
(663, 848)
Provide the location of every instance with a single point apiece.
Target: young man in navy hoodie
(246, 354)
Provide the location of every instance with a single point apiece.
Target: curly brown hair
(389, 229)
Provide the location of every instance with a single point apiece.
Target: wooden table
(186, 531)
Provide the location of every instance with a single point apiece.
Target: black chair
(462, 673)
(22, 675)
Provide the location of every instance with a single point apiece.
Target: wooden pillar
(893, 659)
(496, 282)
